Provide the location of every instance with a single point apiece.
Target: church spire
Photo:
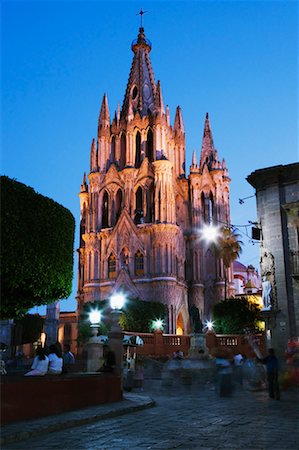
(159, 104)
(84, 187)
(104, 118)
(141, 87)
(178, 121)
(207, 148)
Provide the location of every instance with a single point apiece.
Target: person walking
(272, 368)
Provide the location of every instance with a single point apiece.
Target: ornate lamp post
(117, 302)
(94, 345)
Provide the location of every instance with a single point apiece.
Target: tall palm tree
(228, 248)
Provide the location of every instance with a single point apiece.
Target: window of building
(105, 210)
(138, 207)
(211, 208)
(138, 150)
(67, 332)
(123, 150)
(118, 203)
(111, 266)
(112, 154)
(139, 263)
(150, 146)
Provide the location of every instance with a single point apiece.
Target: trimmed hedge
(37, 249)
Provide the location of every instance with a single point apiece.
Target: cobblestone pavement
(188, 418)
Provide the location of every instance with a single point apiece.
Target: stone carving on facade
(269, 283)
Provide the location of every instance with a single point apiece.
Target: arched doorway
(180, 328)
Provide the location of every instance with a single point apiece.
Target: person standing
(272, 368)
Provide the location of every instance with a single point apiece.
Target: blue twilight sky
(235, 59)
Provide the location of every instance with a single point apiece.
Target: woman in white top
(40, 364)
(55, 360)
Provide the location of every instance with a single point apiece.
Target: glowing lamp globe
(117, 301)
(95, 317)
(158, 324)
(210, 233)
(210, 325)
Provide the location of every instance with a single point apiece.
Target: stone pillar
(52, 323)
(94, 354)
(158, 342)
(116, 344)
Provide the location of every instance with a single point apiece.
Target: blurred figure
(224, 366)
(238, 368)
(139, 374)
(40, 364)
(272, 368)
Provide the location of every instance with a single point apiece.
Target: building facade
(277, 194)
(141, 214)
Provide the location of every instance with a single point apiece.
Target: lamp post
(94, 345)
(117, 302)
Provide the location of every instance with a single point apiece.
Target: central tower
(140, 215)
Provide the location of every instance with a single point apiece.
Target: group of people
(232, 367)
(53, 362)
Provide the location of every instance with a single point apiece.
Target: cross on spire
(141, 12)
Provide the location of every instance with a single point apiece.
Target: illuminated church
(141, 214)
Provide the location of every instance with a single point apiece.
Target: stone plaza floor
(183, 417)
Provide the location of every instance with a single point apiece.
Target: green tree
(138, 315)
(235, 315)
(37, 249)
(228, 248)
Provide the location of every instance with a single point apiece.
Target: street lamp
(209, 233)
(94, 345)
(209, 325)
(95, 318)
(117, 302)
(158, 324)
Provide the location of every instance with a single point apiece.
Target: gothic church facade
(141, 214)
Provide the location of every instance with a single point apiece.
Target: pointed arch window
(118, 203)
(137, 150)
(112, 152)
(105, 210)
(149, 218)
(96, 266)
(211, 208)
(123, 151)
(83, 226)
(112, 266)
(138, 207)
(150, 146)
(139, 263)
